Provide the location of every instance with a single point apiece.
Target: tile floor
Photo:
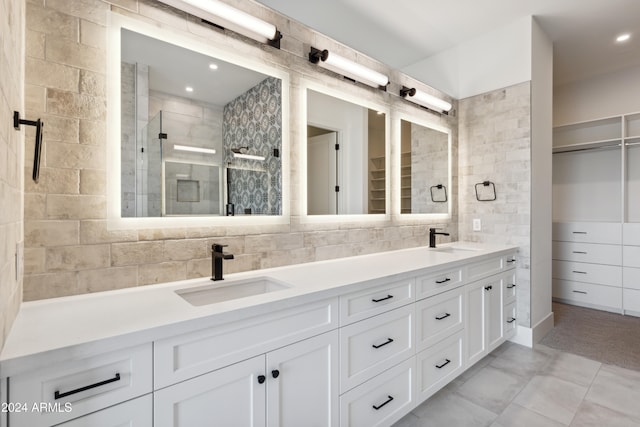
(516, 386)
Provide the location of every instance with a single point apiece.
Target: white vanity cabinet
(291, 386)
(133, 413)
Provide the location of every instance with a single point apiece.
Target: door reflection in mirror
(346, 157)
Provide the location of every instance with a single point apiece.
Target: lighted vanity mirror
(199, 135)
(346, 157)
(425, 169)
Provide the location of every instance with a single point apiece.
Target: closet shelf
(588, 145)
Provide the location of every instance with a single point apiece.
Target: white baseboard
(531, 336)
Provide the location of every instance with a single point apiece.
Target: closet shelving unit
(377, 197)
(596, 214)
(405, 182)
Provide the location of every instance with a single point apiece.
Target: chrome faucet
(216, 260)
(432, 236)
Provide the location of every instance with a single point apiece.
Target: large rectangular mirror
(201, 130)
(425, 168)
(346, 156)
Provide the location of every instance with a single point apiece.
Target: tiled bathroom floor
(516, 386)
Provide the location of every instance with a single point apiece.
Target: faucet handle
(217, 247)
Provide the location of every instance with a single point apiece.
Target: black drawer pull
(511, 286)
(579, 232)
(511, 260)
(57, 395)
(388, 341)
(261, 379)
(580, 252)
(443, 281)
(488, 288)
(579, 292)
(382, 299)
(390, 398)
(579, 272)
(444, 316)
(513, 319)
(444, 364)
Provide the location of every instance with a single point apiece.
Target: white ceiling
(403, 32)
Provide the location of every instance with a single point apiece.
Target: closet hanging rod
(598, 147)
(629, 144)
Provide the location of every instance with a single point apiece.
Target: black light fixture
(350, 69)
(222, 15)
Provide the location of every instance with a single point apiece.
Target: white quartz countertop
(51, 330)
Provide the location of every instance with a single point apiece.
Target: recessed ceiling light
(213, 66)
(188, 89)
(623, 37)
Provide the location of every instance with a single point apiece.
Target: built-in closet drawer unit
(372, 301)
(588, 232)
(631, 278)
(588, 294)
(382, 400)
(373, 345)
(610, 275)
(133, 413)
(439, 317)
(510, 320)
(588, 252)
(631, 234)
(87, 385)
(631, 256)
(188, 355)
(440, 364)
(438, 282)
(632, 301)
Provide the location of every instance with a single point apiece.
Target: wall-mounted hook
(17, 121)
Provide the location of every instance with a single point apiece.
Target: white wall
(491, 61)
(602, 96)
(541, 173)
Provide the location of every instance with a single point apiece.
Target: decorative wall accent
(254, 120)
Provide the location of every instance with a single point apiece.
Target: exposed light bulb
(623, 37)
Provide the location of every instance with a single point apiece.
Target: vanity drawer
(438, 317)
(489, 267)
(588, 294)
(381, 401)
(369, 347)
(372, 301)
(133, 413)
(188, 355)
(631, 256)
(435, 283)
(510, 320)
(588, 252)
(631, 277)
(80, 387)
(509, 288)
(437, 366)
(610, 275)
(588, 232)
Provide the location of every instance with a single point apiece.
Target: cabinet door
(303, 383)
(484, 317)
(494, 312)
(133, 413)
(232, 396)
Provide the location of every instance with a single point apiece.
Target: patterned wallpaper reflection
(254, 120)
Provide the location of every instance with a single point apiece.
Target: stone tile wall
(495, 145)
(68, 247)
(12, 145)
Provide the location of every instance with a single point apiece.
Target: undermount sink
(230, 290)
(454, 250)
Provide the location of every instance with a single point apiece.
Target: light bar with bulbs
(348, 68)
(426, 100)
(228, 17)
(247, 156)
(193, 149)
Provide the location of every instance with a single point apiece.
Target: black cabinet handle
(579, 232)
(580, 252)
(275, 373)
(382, 299)
(261, 379)
(444, 364)
(58, 395)
(488, 288)
(444, 316)
(443, 281)
(579, 292)
(388, 341)
(579, 272)
(390, 398)
(511, 260)
(513, 319)
(511, 286)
